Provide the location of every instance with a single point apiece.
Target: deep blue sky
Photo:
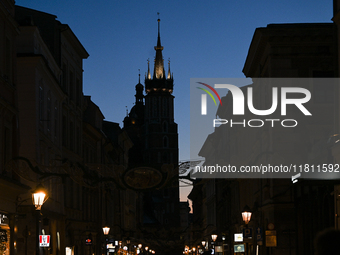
(203, 39)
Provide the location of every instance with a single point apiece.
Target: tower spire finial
(159, 65)
(159, 32)
(138, 75)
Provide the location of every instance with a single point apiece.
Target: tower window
(165, 142)
(165, 126)
(165, 157)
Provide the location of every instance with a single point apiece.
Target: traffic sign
(259, 234)
(247, 232)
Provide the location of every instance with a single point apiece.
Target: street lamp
(203, 243)
(39, 196)
(213, 238)
(106, 231)
(246, 214)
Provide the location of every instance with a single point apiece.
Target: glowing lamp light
(39, 196)
(106, 230)
(140, 246)
(203, 243)
(146, 248)
(246, 214)
(214, 237)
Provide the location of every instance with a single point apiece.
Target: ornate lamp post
(246, 216)
(39, 196)
(213, 238)
(106, 231)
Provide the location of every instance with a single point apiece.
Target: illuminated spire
(159, 63)
(149, 74)
(169, 73)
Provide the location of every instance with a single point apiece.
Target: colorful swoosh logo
(209, 93)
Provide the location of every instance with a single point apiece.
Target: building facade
(51, 135)
(10, 185)
(279, 223)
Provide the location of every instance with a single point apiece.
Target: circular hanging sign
(142, 178)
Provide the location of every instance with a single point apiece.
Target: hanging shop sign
(88, 241)
(238, 237)
(238, 248)
(142, 178)
(44, 240)
(271, 238)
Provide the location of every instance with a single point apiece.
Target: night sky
(203, 39)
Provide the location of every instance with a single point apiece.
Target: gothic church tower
(153, 159)
(161, 137)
